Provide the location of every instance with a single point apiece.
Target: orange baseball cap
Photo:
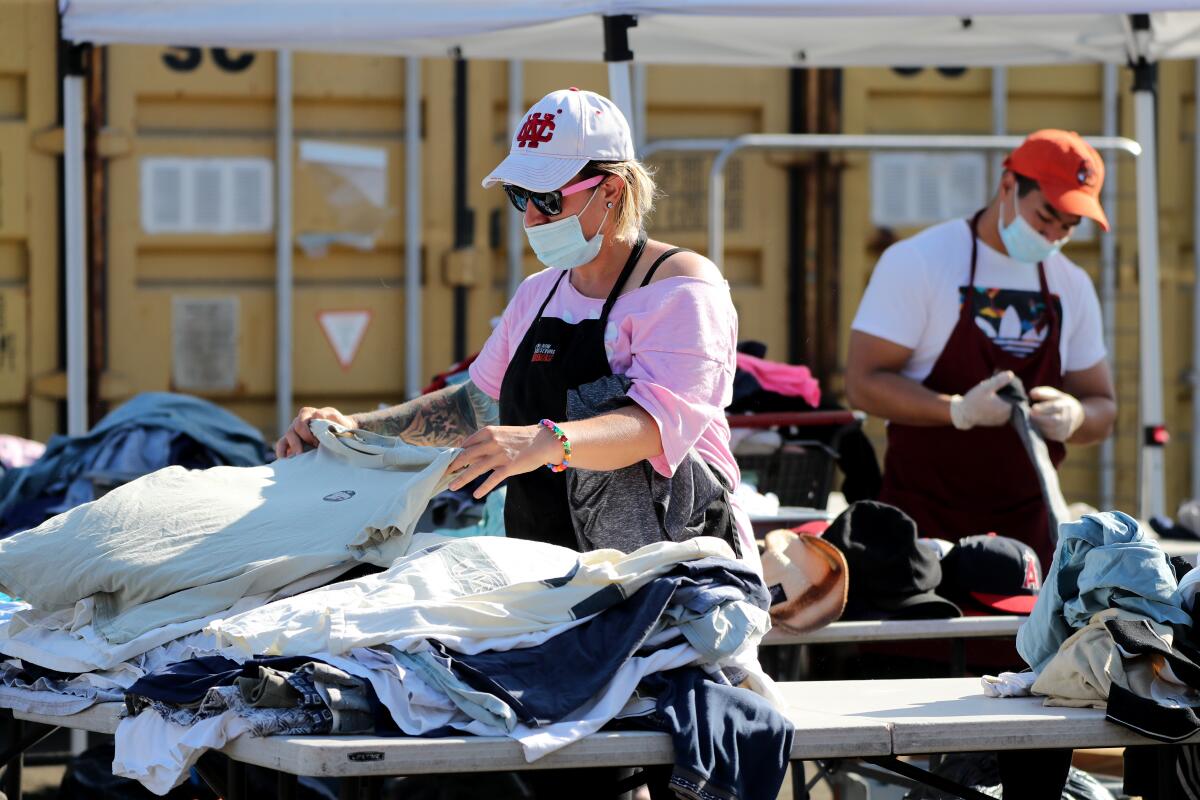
(1068, 170)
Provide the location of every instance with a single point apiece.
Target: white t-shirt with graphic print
(915, 293)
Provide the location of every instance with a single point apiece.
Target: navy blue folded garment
(544, 684)
(30, 672)
(187, 682)
(729, 742)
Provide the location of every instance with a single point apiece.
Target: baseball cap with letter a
(990, 573)
(558, 137)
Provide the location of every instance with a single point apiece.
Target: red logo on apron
(538, 128)
(543, 352)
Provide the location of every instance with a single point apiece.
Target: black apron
(554, 357)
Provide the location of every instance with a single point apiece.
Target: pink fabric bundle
(784, 379)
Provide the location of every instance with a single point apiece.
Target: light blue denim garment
(1102, 561)
(719, 632)
(126, 440)
(480, 706)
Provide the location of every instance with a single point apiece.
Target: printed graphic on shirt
(1015, 319)
(471, 568)
(543, 352)
(337, 497)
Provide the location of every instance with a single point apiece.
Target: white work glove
(981, 406)
(1056, 414)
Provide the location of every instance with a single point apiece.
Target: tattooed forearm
(485, 410)
(441, 419)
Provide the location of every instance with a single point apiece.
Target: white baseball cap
(558, 137)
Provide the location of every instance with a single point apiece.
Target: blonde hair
(636, 201)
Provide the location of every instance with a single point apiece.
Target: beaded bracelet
(563, 440)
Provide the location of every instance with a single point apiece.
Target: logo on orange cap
(1086, 174)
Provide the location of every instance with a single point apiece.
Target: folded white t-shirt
(459, 591)
(179, 544)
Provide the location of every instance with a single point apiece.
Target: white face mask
(562, 245)
(1022, 242)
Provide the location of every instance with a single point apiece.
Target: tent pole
(620, 89)
(1196, 297)
(618, 55)
(75, 235)
(1108, 277)
(1152, 473)
(516, 225)
(464, 215)
(639, 108)
(283, 240)
(999, 117)
(412, 227)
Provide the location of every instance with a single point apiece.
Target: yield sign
(344, 331)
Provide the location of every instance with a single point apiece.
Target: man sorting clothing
(952, 314)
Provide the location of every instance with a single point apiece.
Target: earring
(610, 205)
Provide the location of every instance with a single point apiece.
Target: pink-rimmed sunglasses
(549, 203)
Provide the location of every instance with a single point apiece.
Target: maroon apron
(960, 483)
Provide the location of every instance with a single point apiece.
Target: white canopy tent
(779, 33)
(783, 32)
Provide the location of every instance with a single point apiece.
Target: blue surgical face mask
(1022, 242)
(562, 245)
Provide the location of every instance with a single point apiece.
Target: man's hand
(504, 450)
(1056, 414)
(981, 406)
(292, 443)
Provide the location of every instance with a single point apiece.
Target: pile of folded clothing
(1114, 628)
(296, 598)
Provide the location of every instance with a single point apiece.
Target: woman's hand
(292, 443)
(505, 450)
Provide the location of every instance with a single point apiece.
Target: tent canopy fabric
(770, 32)
(797, 33)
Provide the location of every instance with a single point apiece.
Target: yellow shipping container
(188, 246)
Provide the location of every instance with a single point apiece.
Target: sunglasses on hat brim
(549, 203)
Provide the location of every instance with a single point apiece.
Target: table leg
(624, 775)
(373, 787)
(958, 658)
(1038, 774)
(209, 768)
(21, 736)
(287, 786)
(15, 756)
(349, 789)
(235, 781)
(1166, 770)
(915, 773)
(799, 781)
